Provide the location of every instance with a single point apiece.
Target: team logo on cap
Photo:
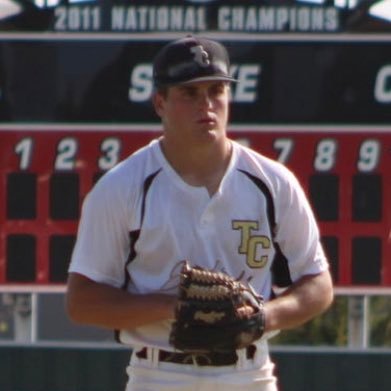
(201, 56)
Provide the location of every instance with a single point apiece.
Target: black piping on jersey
(134, 235)
(280, 270)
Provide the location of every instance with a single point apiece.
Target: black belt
(215, 359)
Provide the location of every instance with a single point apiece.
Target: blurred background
(314, 92)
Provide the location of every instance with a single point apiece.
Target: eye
(189, 91)
(217, 89)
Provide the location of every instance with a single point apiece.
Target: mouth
(207, 121)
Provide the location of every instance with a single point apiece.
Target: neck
(199, 165)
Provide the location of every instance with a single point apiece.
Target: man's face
(195, 112)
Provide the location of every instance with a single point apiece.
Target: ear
(158, 103)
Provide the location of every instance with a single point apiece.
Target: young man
(194, 195)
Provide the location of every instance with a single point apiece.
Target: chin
(209, 132)
(213, 136)
(212, 132)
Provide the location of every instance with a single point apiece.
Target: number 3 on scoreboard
(111, 151)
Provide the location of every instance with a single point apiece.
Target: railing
(36, 315)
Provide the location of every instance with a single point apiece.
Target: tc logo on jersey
(252, 245)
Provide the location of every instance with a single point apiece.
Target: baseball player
(195, 195)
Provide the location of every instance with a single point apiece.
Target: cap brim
(200, 79)
(210, 78)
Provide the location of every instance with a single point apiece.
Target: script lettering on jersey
(252, 245)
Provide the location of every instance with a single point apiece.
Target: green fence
(71, 369)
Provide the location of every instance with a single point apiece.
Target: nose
(204, 99)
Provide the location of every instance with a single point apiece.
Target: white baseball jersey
(141, 221)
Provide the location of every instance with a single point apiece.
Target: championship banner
(251, 16)
(62, 78)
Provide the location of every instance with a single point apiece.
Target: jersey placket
(208, 215)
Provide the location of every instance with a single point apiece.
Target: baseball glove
(215, 313)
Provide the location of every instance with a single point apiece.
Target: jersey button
(206, 221)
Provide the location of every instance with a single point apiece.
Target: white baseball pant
(150, 374)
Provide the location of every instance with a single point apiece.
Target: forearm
(105, 306)
(309, 297)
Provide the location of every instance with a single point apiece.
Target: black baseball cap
(191, 59)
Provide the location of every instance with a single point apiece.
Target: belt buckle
(198, 359)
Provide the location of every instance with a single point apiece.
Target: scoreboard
(47, 170)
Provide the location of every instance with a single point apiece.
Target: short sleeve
(102, 244)
(297, 232)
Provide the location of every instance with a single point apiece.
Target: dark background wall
(87, 369)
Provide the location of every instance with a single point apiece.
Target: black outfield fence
(93, 369)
